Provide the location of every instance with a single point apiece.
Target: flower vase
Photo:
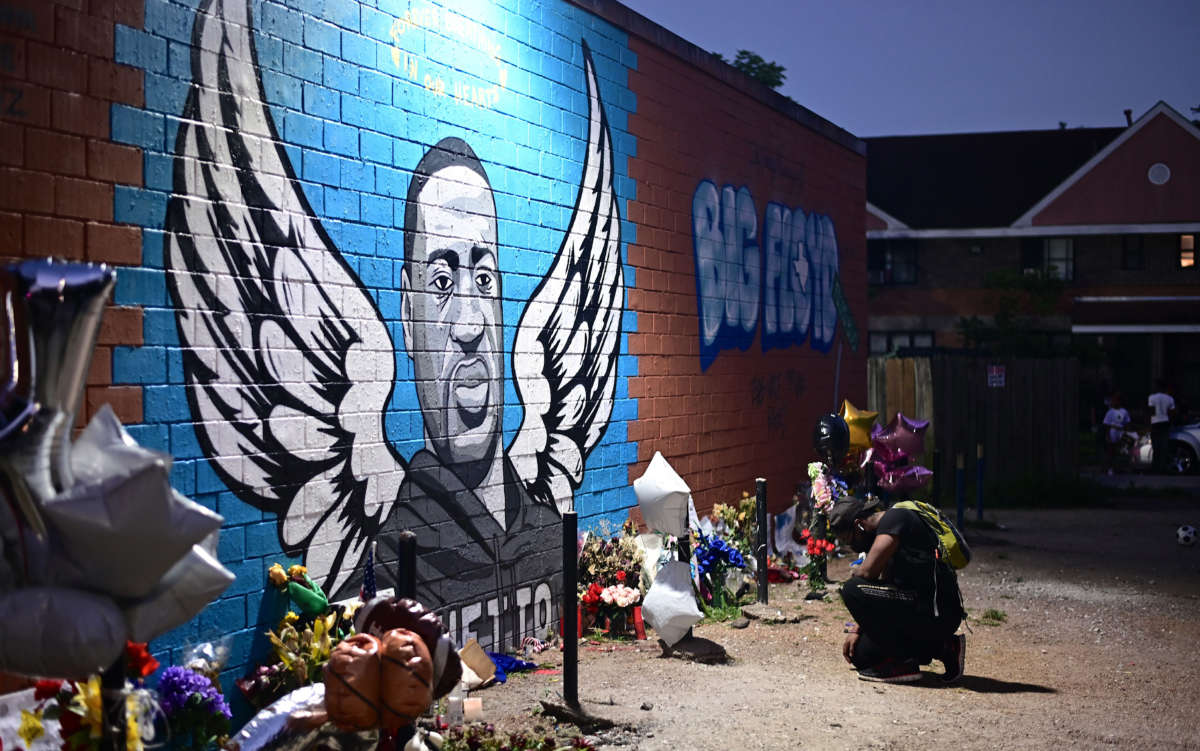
(618, 624)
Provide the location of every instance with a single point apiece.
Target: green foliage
(480, 738)
(1020, 301)
(993, 617)
(752, 64)
(725, 610)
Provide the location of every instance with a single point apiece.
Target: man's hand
(848, 647)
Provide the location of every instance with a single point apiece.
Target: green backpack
(952, 548)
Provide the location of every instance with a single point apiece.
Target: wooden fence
(1024, 413)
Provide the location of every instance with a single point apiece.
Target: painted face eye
(486, 282)
(441, 283)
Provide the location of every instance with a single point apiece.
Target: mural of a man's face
(452, 319)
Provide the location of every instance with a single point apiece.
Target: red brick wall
(1117, 191)
(751, 412)
(57, 165)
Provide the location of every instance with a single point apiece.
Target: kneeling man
(906, 602)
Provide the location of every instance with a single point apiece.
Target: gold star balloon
(860, 422)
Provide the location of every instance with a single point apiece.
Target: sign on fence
(995, 376)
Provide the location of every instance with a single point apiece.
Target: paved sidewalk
(1142, 480)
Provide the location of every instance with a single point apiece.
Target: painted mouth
(470, 387)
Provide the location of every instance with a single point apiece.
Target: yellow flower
(277, 576)
(290, 617)
(86, 703)
(31, 726)
(133, 726)
(297, 570)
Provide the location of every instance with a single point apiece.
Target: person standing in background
(1115, 421)
(1162, 408)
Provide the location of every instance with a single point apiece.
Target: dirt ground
(1100, 648)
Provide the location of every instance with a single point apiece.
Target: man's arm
(879, 556)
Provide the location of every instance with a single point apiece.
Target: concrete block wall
(106, 105)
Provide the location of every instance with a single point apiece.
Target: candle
(472, 709)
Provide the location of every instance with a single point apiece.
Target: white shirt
(1115, 420)
(1162, 404)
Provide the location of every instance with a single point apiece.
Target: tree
(752, 64)
(1018, 329)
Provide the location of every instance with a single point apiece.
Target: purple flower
(177, 686)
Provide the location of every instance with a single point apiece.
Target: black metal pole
(960, 492)
(979, 482)
(112, 688)
(406, 564)
(760, 545)
(937, 478)
(406, 586)
(570, 611)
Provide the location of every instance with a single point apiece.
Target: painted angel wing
(288, 363)
(565, 356)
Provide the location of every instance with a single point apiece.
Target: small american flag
(367, 592)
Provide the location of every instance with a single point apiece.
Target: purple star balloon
(906, 479)
(902, 435)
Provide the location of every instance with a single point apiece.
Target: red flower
(46, 689)
(805, 533)
(138, 662)
(592, 595)
(620, 576)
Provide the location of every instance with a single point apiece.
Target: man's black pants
(1158, 444)
(892, 623)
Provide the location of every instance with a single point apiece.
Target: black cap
(846, 511)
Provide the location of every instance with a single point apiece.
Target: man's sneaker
(954, 657)
(891, 671)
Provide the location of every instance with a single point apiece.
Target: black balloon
(831, 439)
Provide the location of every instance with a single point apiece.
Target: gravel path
(1099, 648)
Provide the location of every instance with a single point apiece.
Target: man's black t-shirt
(914, 565)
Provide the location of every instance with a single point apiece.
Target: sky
(901, 67)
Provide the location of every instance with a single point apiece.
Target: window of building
(892, 261)
(883, 342)
(1052, 256)
(1132, 252)
(1060, 258)
(1187, 251)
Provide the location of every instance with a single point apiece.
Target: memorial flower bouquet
(715, 558)
(818, 551)
(196, 712)
(827, 488)
(740, 522)
(617, 603)
(300, 656)
(75, 706)
(607, 562)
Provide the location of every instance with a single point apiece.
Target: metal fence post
(760, 544)
(960, 491)
(979, 482)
